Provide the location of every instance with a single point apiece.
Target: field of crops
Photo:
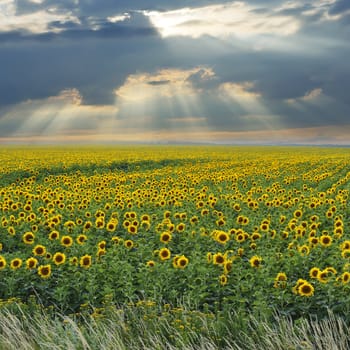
(249, 229)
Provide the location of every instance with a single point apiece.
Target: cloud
(221, 20)
(339, 6)
(156, 66)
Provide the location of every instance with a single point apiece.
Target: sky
(151, 71)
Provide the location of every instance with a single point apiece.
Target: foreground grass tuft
(128, 328)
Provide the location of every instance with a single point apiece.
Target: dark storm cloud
(158, 82)
(106, 8)
(70, 30)
(36, 66)
(339, 6)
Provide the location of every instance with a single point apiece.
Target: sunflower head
(223, 279)
(28, 238)
(325, 240)
(44, 271)
(85, 261)
(150, 263)
(16, 263)
(218, 259)
(305, 289)
(3, 262)
(39, 250)
(66, 241)
(165, 237)
(182, 262)
(31, 263)
(164, 254)
(59, 258)
(255, 261)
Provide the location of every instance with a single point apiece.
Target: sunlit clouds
(36, 22)
(236, 18)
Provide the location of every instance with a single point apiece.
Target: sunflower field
(253, 229)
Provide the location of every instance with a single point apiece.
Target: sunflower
(79, 221)
(100, 252)
(85, 261)
(304, 250)
(146, 217)
(323, 276)
(132, 215)
(264, 226)
(280, 280)
(145, 225)
(345, 245)
(111, 226)
(209, 257)
(313, 241)
(101, 245)
(11, 231)
(221, 222)
(298, 214)
(325, 240)
(175, 259)
(39, 250)
(150, 263)
(255, 261)
(255, 236)
(281, 276)
(331, 269)
(126, 223)
(87, 225)
(252, 245)
(128, 243)
(165, 237)
(313, 273)
(54, 235)
(100, 222)
(182, 262)
(116, 239)
(345, 277)
(132, 229)
(180, 227)
(227, 266)
(16, 263)
(223, 280)
(240, 237)
(81, 239)
(218, 259)
(221, 237)
(2, 262)
(44, 271)
(194, 220)
(59, 258)
(345, 253)
(74, 261)
(31, 263)
(164, 254)
(204, 212)
(66, 241)
(240, 252)
(28, 238)
(305, 289)
(300, 281)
